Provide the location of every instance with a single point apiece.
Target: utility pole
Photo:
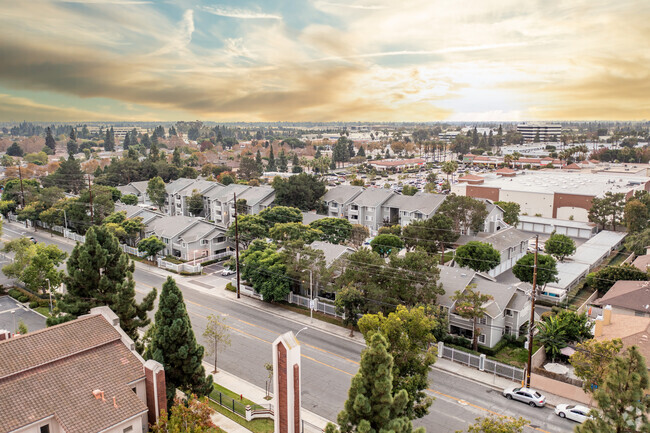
(92, 214)
(532, 317)
(22, 191)
(236, 244)
(311, 297)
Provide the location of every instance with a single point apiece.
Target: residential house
(405, 209)
(219, 204)
(138, 189)
(511, 243)
(82, 376)
(189, 238)
(332, 252)
(338, 199)
(174, 203)
(179, 195)
(505, 313)
(628, 298)
(138, 211)
(494, 219)
(642, 262)
(366, 209)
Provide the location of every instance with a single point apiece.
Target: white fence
(179, 267)
(480, 362)
(318, 304)
(211, 257)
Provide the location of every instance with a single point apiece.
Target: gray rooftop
(310, 217)
(226, 193)
(373, 197)
(177, 185)
(332, 251)
(501, 293)
(424, 202)
(453, 279)
(170, 226)
(342, 193)
(254, 194)
(201, 230)
(556, 222)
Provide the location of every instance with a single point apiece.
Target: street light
(306, 327)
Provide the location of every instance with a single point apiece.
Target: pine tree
(271, 165)
(258, 161)
(371, 406)
(174, 345)
(282, 162)
(127, 141)
(99, 273)
(109, 140)
(49, 139)
(73, 134)
(176, 158)
(361, 151)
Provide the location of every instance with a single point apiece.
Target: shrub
(34, 304)
(231, 288)
(15, 293)
(23, 298)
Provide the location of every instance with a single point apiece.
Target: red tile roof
(573, 166)
(505, 170)
(471, 178)
(53, 372)
(399, 162)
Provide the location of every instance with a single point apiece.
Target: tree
(250, 227)
(249, 169)
(385, 244)
(599, 212)
(157, 192)
(546, 269)
(43, 266)
(263, 266)
(410, 337)
(350, 303)
(100, 273)
(283, 164)
(173, 345)
(449, 167)
(409, 190)
(49, 140)
(72, 147)
(636, 216)
(24, 251)
(637, 242)
(591, 359)
(68, 176)
(608, 209)
(218, 335)
(605, 278)
(510, 212)
(497, 424)
(191, 416)
(258, 161)
(478, 256)
(372, 405)
(287, 232)
(15, 150)
(359, 234)
(109, 140)
(623, 405)
(195, 203)
(151, 245)
(295, 164)
(470, 304)
(552, 334)
(129, 199)
(335, 230)
(303, 191)
(431, 235)
(560, 246)
(271, 165)
(280, 214)
(467, 213)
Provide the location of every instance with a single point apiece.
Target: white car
(227, 271)
(526, 395)
(573, 412)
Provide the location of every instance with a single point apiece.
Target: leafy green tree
(15, 150)
(43, 266)
(303, 191)
(192, 416)
(49, 139)
(410, 337)
(68, 176)
(157, 192)
(546, 269)
(607, 210)
(497, 424)
(623, 405)
(350, 303)
(552, 334)
(467, 213)
(637, 242)
(359, 234)
(218, 335)
(385, 244)
(449, 167)
(195, 203)
(372, 405)
(635, 216)
(129, 199)
(248, 169)
(99, 273)
(151, 245)
(280, 214)
(39, 158)
(432, 235)
(510, 212)
(335, 230)
(605, 278)
(250, 227)
(409, 190)
(395, 229)
(411, 280)
(174, 345)
(286, 232)
(478, 256)
(264, 268)
(470, 304)
(24, 251)
(591, 359)
(560, 246)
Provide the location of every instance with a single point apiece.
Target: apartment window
(128, 429)
(334, 205)
(368, 217)
(482, 320)
(184, 245)
(354, 217)
(370, 209)
(45, 429)
(508, 330)
(508, 312)
(221, 239)
(165, 240)
(354, 207)
(481, 338)
(204, 241)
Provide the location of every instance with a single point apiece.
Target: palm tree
(507, 159)
(449, 167)
(552, 334)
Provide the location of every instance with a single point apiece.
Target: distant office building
(546, 131)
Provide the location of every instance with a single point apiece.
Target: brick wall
(296, 398)
(570, 200)
(156, 389)
(487, 192)
(282, 389)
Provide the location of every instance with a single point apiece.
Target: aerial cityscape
(324, 217)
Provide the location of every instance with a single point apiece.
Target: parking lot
(12, 312)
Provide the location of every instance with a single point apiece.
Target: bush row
(22, 295)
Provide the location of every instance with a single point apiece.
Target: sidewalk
(561, 392)
(255, 394)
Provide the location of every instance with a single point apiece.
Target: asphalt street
(329, 360)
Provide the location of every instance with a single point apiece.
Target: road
(329, 360)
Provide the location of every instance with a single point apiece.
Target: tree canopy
(303, 191)
(560, 246)
(546, 269)
(478, 256)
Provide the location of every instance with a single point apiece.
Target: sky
(321, 60)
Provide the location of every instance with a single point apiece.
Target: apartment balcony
(353, 212)
(334, 210)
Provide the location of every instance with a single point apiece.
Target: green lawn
(218, 388)
(264, 425)
(45, 311)
(517, 356)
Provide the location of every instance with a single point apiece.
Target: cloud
(115, 2)
(13, 108)
(351, 6)
(179, 40)
(239, 13)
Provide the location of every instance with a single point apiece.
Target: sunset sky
(317, 60)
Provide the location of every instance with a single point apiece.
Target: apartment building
(180, 191)
(219, 203)
(188, 238)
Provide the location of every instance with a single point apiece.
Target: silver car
(573, 412)
(526, 395)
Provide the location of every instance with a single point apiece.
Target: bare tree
(218, 334)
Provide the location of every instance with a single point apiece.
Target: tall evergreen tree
(68, 176)
(176, 158)
(282, 162)
(372, 407)
(361, 151)
(127, 141)
(99, 273)
(49, 139)
(109, 140)
(73, 134)
(145, 141)
(174, 345)
(258, 161)
(271, 165)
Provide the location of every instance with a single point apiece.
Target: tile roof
(630, 295)
(373, 197)
(342, 193)
(642, 262)
(424, 202)
(53, 372)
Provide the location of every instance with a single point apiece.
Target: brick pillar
(282, 412)
(154, 377)
(286, 384)
(296, 398)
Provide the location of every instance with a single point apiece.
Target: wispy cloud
(114, 2)
(243, 14)
(352, 6)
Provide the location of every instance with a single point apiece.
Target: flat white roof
(556, 222)
(598, 247)
(568, 273)
(551, 181)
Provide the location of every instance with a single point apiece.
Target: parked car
(227, 271)
(575, 413)
(525, 395)
(34, 241)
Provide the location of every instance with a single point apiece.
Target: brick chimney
(4, 334)
(154, 378)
